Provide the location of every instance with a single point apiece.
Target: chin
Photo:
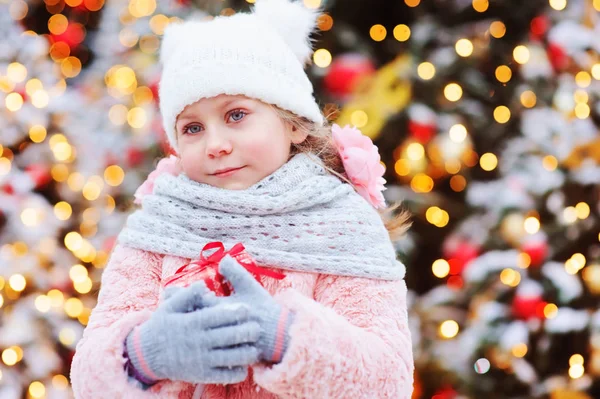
(235, 185)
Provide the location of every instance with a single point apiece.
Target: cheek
(191, 163)
(270, 148)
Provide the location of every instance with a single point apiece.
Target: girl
(255, 164)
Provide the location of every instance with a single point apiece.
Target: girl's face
(232, 142)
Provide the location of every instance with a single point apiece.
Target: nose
(217, 145)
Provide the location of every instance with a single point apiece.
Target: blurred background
(486, 114)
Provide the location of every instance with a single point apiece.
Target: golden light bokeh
(558, 5)
(59, 172)
(421, 183)
(519, 350)
(458, 183)
(488, 161)
(528, 99)
(503, 73)
(521, 54)
(596, 67)
(13, 102)
(453, 92)
(312, 3)
(63, 210)
(576, 371)
(550, 163)
(378, 32)
(93, 5)
(583, 79)
(57, 24)
(16, 72)
(33, 85)
(415, 151)
(402, 167)
(576, 359)
(464, 47)
(426, 70)
(440, 268)
(502, 114)
(583, 210)
(17, 282)
(37, 389)
(550, 311)
(449, 329)
(480, 5)
(136, 117)
(70, 67)
(59, 381)
(114, 175)
(322, 58)
(37, 133)
(497, 29)
(582, 110)
(158, 23)
(458, 133)
(325, 22)
(510, 277)
(401, 32)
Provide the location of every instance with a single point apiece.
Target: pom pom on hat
(293, 21)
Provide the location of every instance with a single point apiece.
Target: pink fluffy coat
(350, 338)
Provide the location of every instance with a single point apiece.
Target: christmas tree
(486, 115)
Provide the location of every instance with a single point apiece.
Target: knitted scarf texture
(299, 218)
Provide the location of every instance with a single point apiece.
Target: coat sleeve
(128, 295)
(352, 341)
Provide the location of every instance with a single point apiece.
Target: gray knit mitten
(274, 319)
(184, 340)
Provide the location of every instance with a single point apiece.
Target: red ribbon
(237, 252)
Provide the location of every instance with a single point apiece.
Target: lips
(226, 171)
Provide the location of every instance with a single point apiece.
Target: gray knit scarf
(299, 218)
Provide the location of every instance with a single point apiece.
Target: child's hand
(209, 345)
(274, 320)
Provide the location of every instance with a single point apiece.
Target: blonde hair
(319, 142)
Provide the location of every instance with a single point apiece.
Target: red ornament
(538, 27)
(422, 132)
(8, 189)
(345, 72)
(134, 157)
(40, 174)
(528, 307)
(206, 268)
(537, 251)
(445, 393)
(558, 57)
(458, 253)
(72, 36)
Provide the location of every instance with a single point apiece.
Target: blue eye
(237, 115)
(192, 129)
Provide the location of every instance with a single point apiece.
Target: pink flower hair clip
(362, 163)
(166, 165)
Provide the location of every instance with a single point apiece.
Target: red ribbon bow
(207, 268)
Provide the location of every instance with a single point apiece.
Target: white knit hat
(260, 55)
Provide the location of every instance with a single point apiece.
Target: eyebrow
(225, 104)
